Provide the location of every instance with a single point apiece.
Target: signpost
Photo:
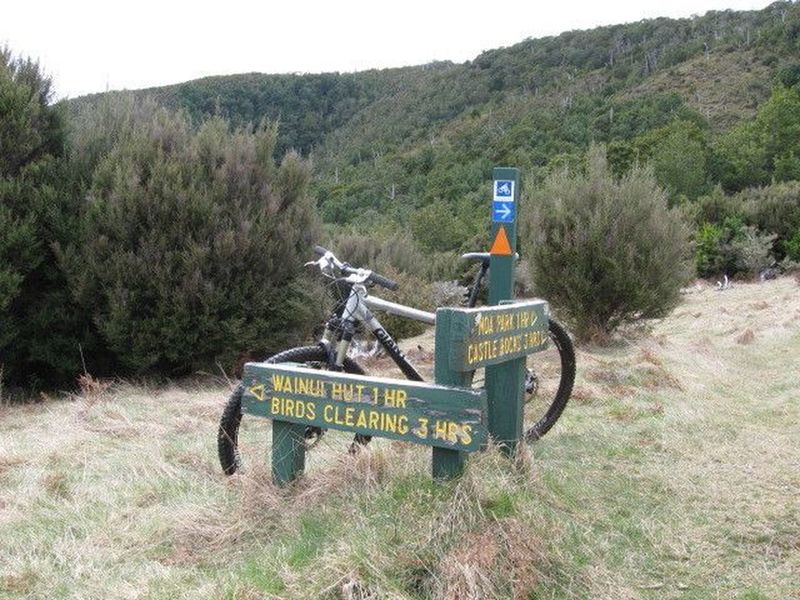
(493, 335)
(449, 416)
(504, 381)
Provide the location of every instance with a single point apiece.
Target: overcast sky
(93, 46)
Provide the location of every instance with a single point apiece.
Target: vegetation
(40, 327)
(708, 101)
(607, 252)
(622, 499)
(190, 242)
(710, 104)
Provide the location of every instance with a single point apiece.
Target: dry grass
(674, 473)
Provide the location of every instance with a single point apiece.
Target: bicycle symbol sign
(504, 190)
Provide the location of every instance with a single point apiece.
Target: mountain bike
(548, 380)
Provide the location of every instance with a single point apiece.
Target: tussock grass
(674, 473)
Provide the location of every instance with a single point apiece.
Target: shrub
(752, 251)
(709, 257)
(732, 248)
(605, 251)
(792, 247)
(191, 242)
(40, 329)
(774, 209)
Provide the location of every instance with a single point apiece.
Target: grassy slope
(674, 473)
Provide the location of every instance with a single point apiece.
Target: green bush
(605, 251)
(191, 241)
(774, 209)
(40, 329)
(709, 257)
(792, 247)
(732, 248)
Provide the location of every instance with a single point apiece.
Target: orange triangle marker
(500, 246)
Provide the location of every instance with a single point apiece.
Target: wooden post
(288, 451)
(446, 463)
(505, 381)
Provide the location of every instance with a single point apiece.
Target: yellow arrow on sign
(259, 392)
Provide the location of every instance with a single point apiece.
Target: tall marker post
(504, 382)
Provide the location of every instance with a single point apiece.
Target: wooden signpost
(504, 381)
(449, 416)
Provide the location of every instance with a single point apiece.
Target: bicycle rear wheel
(228, 434)
(549, 380)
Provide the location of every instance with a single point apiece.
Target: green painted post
(446, 463)
(505, 381)
(288, 451)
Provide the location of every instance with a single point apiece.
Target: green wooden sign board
(416, 412)
(496, 334)
(451, 419)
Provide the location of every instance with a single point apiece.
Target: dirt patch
(503, 559)
(7, 463)
(22, 583)
(746, 337)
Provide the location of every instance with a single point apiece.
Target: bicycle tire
(566, 379)
(566, 351)
(228, 433)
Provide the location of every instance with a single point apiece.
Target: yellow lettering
(466, 435)
(362, 419)
(421, 430)
(485, 325)
(310, 411)
(275, 406)
(373, 419)
(440, 430)
(452, 432)
(348, 416)
(390, 423)
(388, 397)
(280, 383)
(402, 425)
(327, 413)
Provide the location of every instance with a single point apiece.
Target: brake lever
(324, 265)
(360, 276)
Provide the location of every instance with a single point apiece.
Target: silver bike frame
(360, 305)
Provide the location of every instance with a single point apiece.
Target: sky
(88, 46)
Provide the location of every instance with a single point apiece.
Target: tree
(605, 251)
(765, 148)
(192, 242)
(40, 329)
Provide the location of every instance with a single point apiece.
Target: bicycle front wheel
(313, 357)
(550, 376)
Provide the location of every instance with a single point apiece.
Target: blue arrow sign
(503, 212)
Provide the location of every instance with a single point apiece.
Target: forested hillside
(404, 145)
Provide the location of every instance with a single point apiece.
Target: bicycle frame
(359, 308)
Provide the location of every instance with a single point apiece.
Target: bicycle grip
(319, 250)
(383, 281)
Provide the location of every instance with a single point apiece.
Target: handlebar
(372, 277)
